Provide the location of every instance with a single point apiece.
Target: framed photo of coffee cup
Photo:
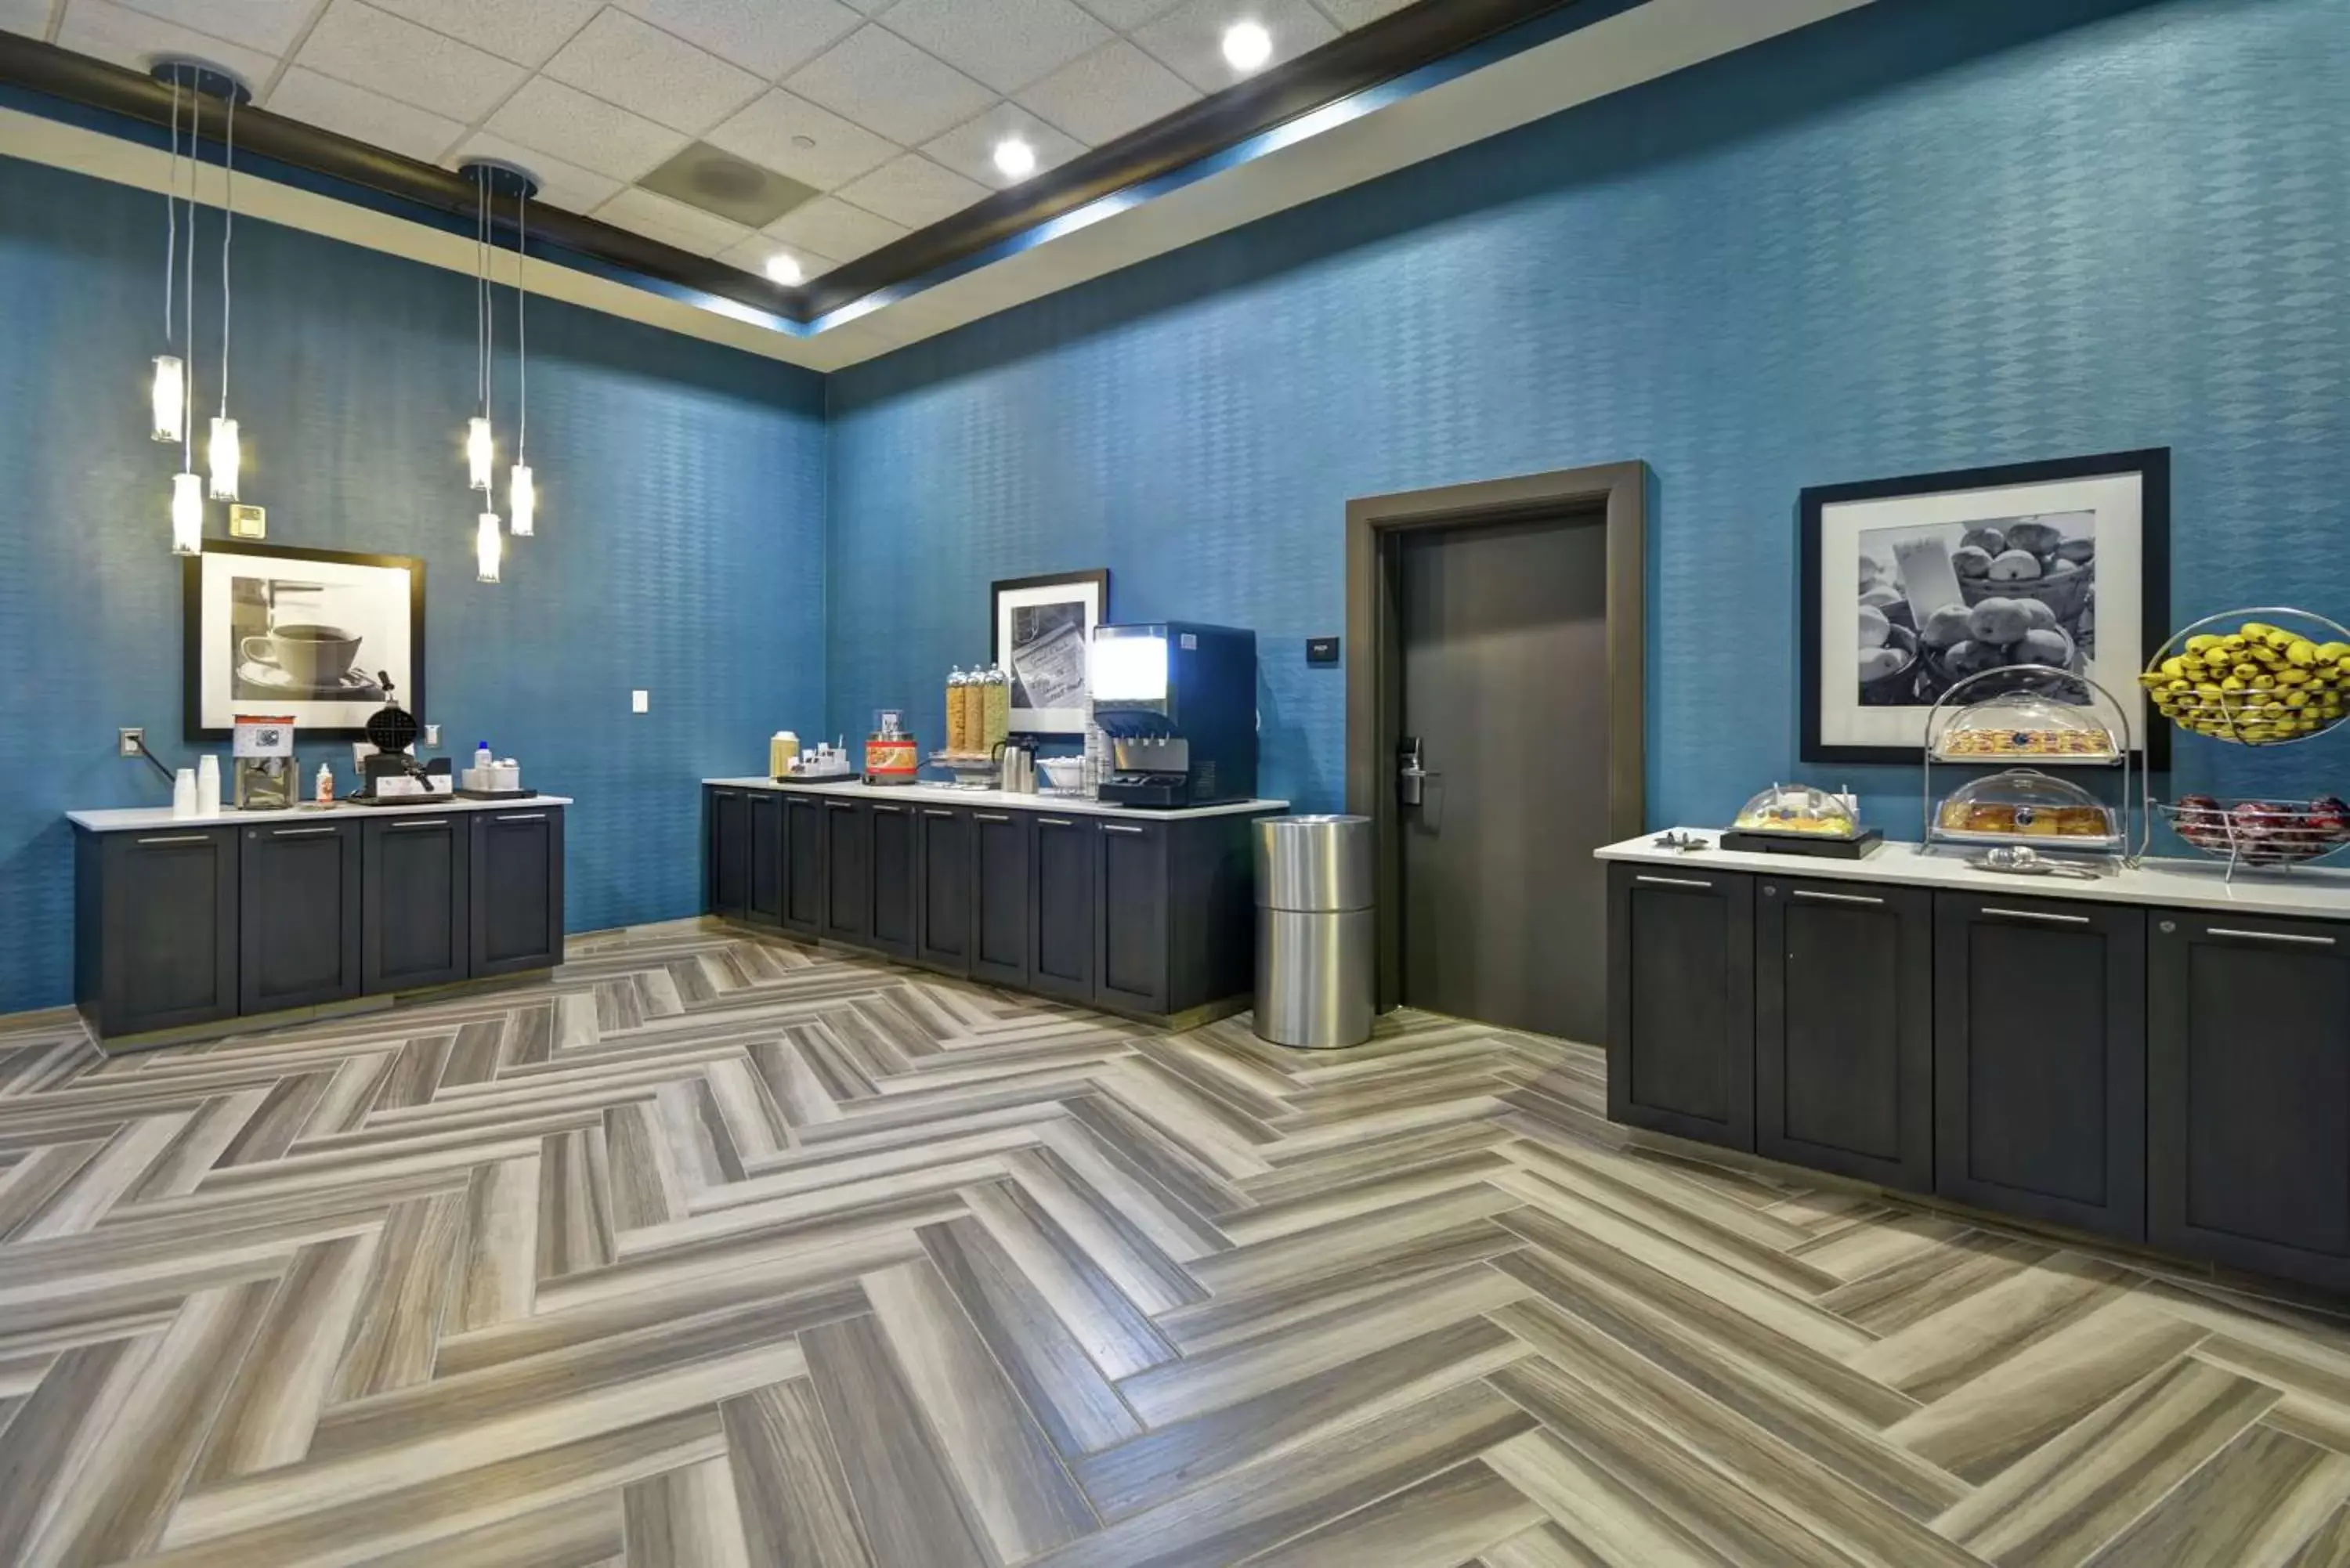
(1910, 585)
(314, 634)
(1044, 631)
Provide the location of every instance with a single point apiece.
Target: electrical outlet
(640, 702)
(131, 743)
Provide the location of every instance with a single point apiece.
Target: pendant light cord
(171, 214)
(522, 327)
(228, 234)
(188, 415)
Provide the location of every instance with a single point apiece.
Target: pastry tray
(1825, 846)
(495, 793)
(2094, 844)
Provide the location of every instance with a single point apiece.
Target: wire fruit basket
(2260, 832)
(2258, 684)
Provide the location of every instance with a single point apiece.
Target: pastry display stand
(1996, 687)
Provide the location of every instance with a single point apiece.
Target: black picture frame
(1023, 719)
(191, 577)
(2151, 465)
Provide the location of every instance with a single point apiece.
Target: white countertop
(2308, 892)
(149, 817)
(1003, 800)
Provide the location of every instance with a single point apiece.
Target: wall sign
(1909, 585)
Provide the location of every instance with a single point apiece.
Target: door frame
(1375, 525)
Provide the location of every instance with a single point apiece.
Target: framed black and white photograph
(1043, 629)
(279, 629)
(1910, 585)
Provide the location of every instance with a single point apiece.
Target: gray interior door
(1504, 657)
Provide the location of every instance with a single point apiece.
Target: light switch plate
(640, 702)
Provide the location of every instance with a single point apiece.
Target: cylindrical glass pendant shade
(226, 457)
(521, 502)
(187, 514)
(171, 398)
(488, 545)
(480, 453)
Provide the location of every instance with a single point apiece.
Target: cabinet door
(298, 916)
(765, 879)
(1004, 876)
(945, 909)
(2039, 1059)
(2247, 1083)
(168, 934)
(1844, 1041)
(516, 883)
(848, 872)
(1131, 916)
(728, 815)
(1680, 1003)
(894, 861)
(414, 912)
(803, 865)
(1061, 909)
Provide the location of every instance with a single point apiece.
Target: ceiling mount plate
(504, 179)
(202, 76)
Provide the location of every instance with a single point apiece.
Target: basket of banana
(2255, 678)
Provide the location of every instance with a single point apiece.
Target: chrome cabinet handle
(933, 811)
(1838, 897)
(524, 816)
(893, 810)
(2042, 916)
(404, 826)
(1054, 822)
(1119, 827)
(1673, 882)
(301, 832)
(2294, 938)
(180, 838)
(988, 816)
(840, 805)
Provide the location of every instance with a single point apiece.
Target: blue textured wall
(1926, 235)
(679, 547)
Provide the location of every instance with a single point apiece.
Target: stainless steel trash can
(1315, 930)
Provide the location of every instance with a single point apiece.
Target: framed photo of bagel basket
(1909, 585)
(314, 634)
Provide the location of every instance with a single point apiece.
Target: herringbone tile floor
(718, 1250)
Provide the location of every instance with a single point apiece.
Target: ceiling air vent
(702, 176)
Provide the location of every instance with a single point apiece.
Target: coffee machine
(1178, 703)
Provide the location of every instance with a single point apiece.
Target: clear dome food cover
(2026, 724)
(2024, 803)
(1798, 808)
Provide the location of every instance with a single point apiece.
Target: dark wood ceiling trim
(110, 89)
(1388, 48)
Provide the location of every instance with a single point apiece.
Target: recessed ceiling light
(1015, 158)
(783, 268)
(1247, 46)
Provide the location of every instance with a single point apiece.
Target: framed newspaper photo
(1043, 629)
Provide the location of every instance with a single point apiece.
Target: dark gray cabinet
(1680, 1003)
(155, 928)
(298, 915)
(2039, 1059)
(416, 913)
(803, 832)
(727, 838)
(1844, 1031)
(1130, 957)
(2247, 1091)
(1003, 872)
(892, 908)
(764, 880)
(848, 860)
(946, 908)
(515, 885)
(1061, 907)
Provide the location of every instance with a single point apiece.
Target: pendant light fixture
(481, 449)
(521, 489)
(226, 458)
(492, 180)
(169, 396)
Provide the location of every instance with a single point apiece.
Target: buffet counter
(2304, 891)
(2159, 1054)
(998, 800)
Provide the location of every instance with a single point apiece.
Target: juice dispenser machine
(1178, 702)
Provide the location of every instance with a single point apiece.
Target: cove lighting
(1247, 46)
